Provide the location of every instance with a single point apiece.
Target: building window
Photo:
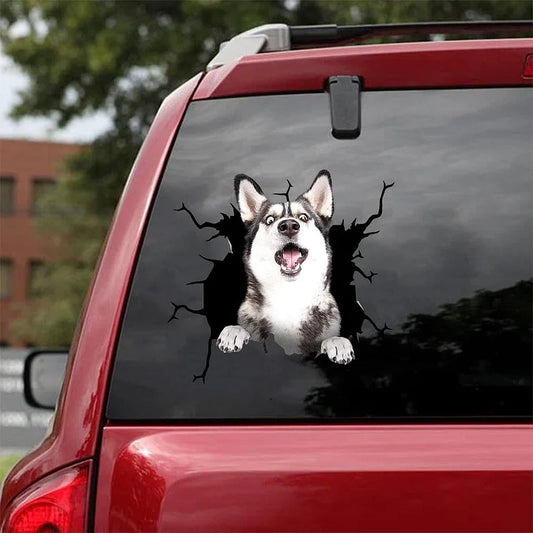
(7, 195)
(40, 189)
(35, 280)
(6, 279)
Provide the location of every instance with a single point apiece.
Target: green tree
(123, 58)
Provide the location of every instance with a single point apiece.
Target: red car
(337, 339)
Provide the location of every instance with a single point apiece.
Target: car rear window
(429, 254)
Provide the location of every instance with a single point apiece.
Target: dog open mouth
(290, 259)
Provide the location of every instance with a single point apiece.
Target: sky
(12, 81)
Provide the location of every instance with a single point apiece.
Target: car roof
(281, 37)
(277, 58)
(416, 65)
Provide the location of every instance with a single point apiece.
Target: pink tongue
(290, 257)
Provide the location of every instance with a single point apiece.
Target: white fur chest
(287, 310)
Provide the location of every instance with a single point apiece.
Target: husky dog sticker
(287, 260)
(289, 274)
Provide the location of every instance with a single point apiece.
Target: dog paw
(232, 339)
(338, 349)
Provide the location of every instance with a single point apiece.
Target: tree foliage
(123, 58)
(472, 357)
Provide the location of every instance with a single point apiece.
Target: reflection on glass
(472, 358)
(457, 221)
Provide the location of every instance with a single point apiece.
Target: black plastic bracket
(345, 106)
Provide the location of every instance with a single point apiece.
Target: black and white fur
(288, 266)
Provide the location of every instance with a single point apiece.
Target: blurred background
(80, 84)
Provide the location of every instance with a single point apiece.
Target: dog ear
(320, 195)
(250, 197)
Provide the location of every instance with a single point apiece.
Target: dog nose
(288, 227)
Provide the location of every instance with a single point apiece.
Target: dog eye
(303, 217)
(269, 219)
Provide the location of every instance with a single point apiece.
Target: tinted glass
(37, 279)
(440, 262)
(7, 195)
(6, 278)
(40, 189)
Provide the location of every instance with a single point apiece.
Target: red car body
(343, 477)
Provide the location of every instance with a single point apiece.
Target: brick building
(28, 169)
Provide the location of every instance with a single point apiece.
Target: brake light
(56, 504)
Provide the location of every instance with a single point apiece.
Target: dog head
(286, 239)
